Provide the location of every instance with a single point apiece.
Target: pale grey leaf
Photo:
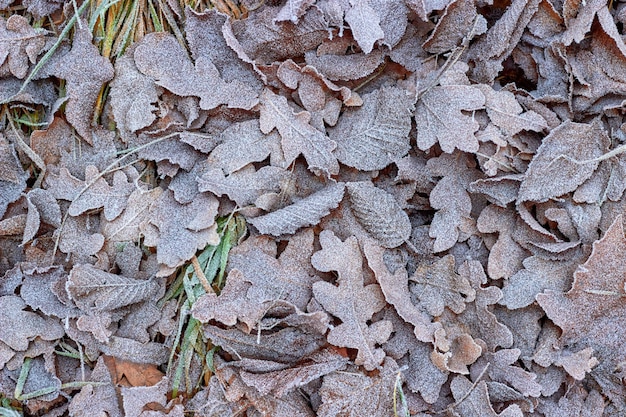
(379, 213)
(95, 290)
(374, 135)
(306, 212)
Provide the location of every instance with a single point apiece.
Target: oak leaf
(351, 301)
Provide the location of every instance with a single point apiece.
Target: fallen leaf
(160, 56)
(374, 135)
(298, 136)
(351, 301)
(305, 212)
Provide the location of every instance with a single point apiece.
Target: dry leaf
(377, 133)
(160, 56)
(564, 161)
(298, 136)
(20, 327)
(350, 301)
(94, 290)
(379, 213)
(20, 44)
(305, 212)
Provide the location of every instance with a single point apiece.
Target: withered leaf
(126, 227)
(132, 95)
(298, 136)
(365, 24)
(181, 229)
(564, 161)
(374, 135)
(243, 186)
(379, 213)
(97, 399)
(85, 71)
(440, 119)
(590, 312)
(160, 56)
(287, 345)
(351, 301)
(437, 286)
(243, 143)
(20, 327)
(19, 44)
(95, 290)
(12, 176)
(293, 10)
(78, 239)
(288, 278)
(396, 290)
(281, 382)
(355, 394)
(93, 193)
(475, 400)
(305, 212)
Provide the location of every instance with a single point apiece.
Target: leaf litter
(433, 192)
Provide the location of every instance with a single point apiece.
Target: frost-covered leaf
(95, 290)
(132, 95)
(243, 186)
(93, 193)
(379, 213)
(305, 212)
(590, 312)
(20, 327)
(396, 290)
(354, 394)
(298, 136)
(85, 71)
(489, 52)
(365, 24)
(20, 44)
(97, 400)
(351, 301)
(243, 143)
(506, 255)
(181, 229)
(288, 345)
(293, 10)
(440, 119)
(12, 176)
(160, 56)
(281, 382)
(473, 401)
(563, 161)
(78, 239)
(374, 135)
(437, 286)
(126, 227)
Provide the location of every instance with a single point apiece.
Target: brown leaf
(181, 230)
(95, 290)
(93, 400)
(440, 119)
(19, 44)
(160, 56)
(20, 327)
(379, 213)
(377, 133)
(305, 212)
(396, 290)
(85, 71)
(132, 95)
(590, 311)
(298, 136)
(243, 143)
(12, 176)
(563, 161)
(473, 401)
(437, 286)
(350, 301)
(354, 394)
(245, 185)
